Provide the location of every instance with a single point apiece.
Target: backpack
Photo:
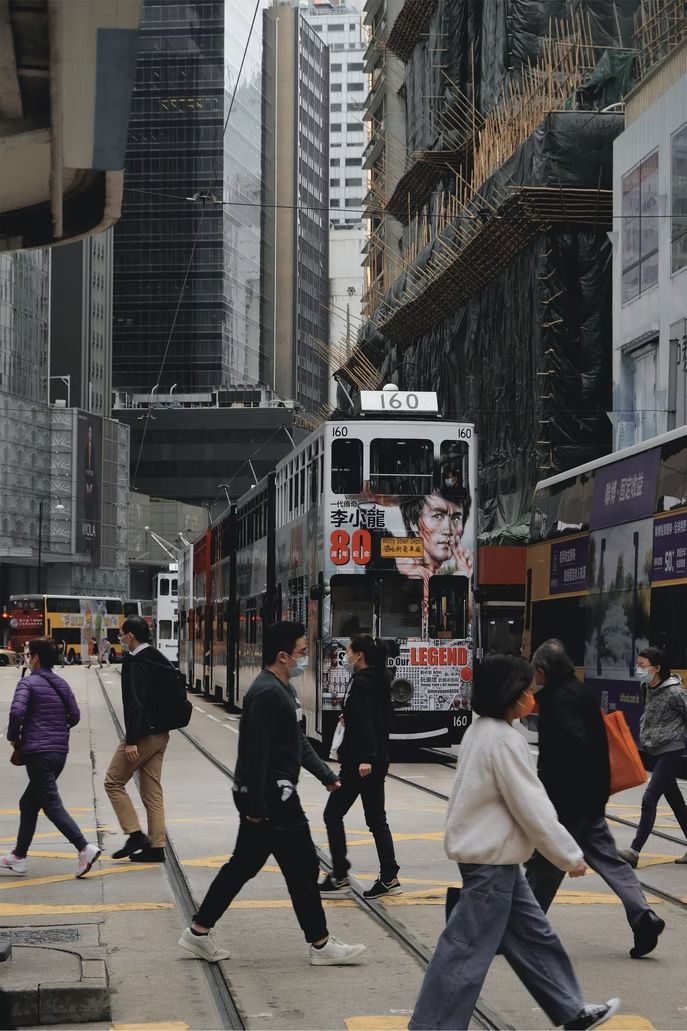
(174, 709)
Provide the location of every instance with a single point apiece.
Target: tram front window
(401, 467)
(400, 612)
(347, 466)
(352, 601)
(448, 607)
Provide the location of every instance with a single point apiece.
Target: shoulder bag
(627, 768)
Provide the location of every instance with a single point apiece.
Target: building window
(640, 228)
(639, 419)
(356, 87)
(335, 162)
(352, 182)
(336, 107)
(335, 182)
(336, 87)
(355, 126)
(678, 187)
(333, 203)
(335, 127)
(353, 162)
(336, 67)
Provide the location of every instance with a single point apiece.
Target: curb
(86, 1001)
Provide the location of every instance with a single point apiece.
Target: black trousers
(371, 792)
(286, 836)
(665, 771)
(43, 769)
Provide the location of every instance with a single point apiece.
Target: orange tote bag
(627, 768)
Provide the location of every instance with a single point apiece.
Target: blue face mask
(299, 669)
(644, 673)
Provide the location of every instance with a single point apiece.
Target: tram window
(400, 613)
(164, 630)
(352, 605)
(313, 483)
(347, 466)
(453, 467)
(672, 477)
(302, 479)
(401, 466)
(175, 586)
(164, 587)
(448, 607)
(563, 618)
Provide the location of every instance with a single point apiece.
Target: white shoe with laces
(87, 858)
(335, 953)
(14, 865)
(203, 946)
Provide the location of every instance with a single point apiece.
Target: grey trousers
(496, 912)
(600, 853)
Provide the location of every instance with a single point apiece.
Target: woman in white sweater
(498, 813)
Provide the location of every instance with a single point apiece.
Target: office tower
(295, 209)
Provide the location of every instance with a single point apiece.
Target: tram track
(444, 760)
(220, 987)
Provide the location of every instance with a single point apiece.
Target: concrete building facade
(650, 256)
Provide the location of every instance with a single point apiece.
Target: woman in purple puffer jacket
(43, 710)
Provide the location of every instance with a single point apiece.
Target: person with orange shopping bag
(574, 767)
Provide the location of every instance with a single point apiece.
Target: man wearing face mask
(272, 749)
(574, 768)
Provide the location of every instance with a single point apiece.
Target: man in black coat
(574, 768)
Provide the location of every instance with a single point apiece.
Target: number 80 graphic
(344, 546)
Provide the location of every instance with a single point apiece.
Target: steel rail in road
(219, 984)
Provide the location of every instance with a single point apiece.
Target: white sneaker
(203, 946)
(17, 866)
(335, 953)
(87, 858)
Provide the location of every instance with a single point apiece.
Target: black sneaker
(379, 888)
(334, 885)
(132, 844)
(593, 1015)
(646, 934)
(148, 855)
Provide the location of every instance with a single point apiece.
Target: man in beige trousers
(143, 669)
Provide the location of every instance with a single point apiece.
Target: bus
(166, 623)
(71, 619)
(607, 566)
(368, 526)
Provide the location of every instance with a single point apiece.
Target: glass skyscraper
(191, 192)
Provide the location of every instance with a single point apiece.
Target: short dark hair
(657, 657)
(366, 646)
(411, 510)
(46, 650)
(552, 658)
(137, 626)
(499, 682)
(281, 637)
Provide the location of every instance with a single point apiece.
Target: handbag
(337, 738)
(627, 768)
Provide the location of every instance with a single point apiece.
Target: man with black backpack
(154, 701)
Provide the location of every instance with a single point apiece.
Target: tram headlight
(401, 691)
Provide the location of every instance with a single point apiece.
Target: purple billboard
(669, 561)
(568, 570)
(625, 491)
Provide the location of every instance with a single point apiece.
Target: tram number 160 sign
(344, 546)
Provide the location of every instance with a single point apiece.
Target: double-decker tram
(607, 566)
(368, 526)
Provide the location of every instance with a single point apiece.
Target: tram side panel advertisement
(89, 486)
(394, 540)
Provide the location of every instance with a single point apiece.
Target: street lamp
(59, 507)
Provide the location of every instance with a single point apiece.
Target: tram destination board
(399, 402)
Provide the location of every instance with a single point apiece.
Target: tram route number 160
(344, 546)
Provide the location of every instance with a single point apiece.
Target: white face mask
(349, 667)
(644, 673)
(299, 669)
(536, 688)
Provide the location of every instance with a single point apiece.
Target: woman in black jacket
(364, 758)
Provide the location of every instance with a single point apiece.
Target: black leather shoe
(148, 855)
(646, 934)
(135, 841)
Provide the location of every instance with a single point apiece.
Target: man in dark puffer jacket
(43, 710)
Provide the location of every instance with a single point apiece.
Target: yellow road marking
(22, 882)
(629, 1022)
(15, 812)
(160, 1025)
(386, 1022)
(10, 909)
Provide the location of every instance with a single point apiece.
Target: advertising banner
(669, 560)
(625, 491)
(89, 463)
(568, 570)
